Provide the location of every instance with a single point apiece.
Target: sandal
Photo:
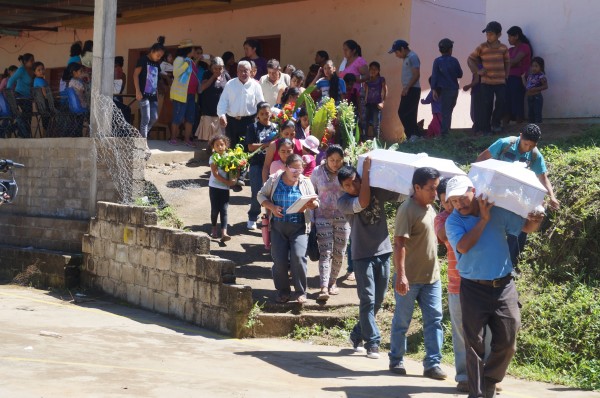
(173, 142)
(225, 238)
(282, 298)
(323, 295)
(333, 290)
(302, 299)
(350, 276)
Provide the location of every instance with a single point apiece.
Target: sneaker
(435, 373)
(462, 386)
(356, 345)
(398, 368)
(373, 352)
(251, 225)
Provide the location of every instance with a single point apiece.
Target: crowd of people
(349, 216)
(236, 102)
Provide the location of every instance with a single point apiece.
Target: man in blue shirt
(477, 232)
(522, 149)
(444, 77)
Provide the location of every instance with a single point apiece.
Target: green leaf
(319, 123)
(302, 98)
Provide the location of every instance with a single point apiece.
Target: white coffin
(509, 185)
(393, 170)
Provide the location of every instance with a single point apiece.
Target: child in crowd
(310, 148)
(352, 94)
(296, 81)
(302, 124)
(329, 83)
(75, 81)
(145, 80)
(375, 93)
(287, 131)
(289, 69)
(313, 70)
(218, 188)
(39, 80)
(433, 98)
(535, 83)
(8, 72)
(253, 69)
(444, 77)
(258, 136)
(285, 148)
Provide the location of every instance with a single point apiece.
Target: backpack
(534, 153)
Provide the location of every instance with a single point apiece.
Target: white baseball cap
(458, 186)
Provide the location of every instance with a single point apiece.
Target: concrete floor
(51, 348)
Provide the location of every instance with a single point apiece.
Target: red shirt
(193, 85)
(453, 276)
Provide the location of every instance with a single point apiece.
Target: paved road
(51, 348)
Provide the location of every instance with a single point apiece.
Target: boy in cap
(477, 232)
(495, 61)
(444, 77)
(411, 89)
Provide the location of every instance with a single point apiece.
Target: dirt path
(185, 187)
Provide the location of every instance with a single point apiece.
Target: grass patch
(559, 285)
(167, 216)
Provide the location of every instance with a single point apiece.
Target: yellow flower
(226, 169)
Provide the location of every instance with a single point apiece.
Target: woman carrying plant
(333, 229)
(289, 232)
(183, 91)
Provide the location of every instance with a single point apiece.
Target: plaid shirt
(285, 196)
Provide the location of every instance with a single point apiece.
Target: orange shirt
(453, 276)
(493, 60)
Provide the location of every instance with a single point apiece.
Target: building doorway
(270, 46)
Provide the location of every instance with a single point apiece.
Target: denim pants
(535, 103)
(255, 186)
(373, 118)
(458, 338)
(448, 100)
(149, 115)
(497, 308)
(492, 112)
(429, 298)
(288, 249)
(372, 276)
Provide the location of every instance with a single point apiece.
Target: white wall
(459, 20)
(565, 33)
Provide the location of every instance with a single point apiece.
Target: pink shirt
(453, 275)
(524, 64)
(354, 68)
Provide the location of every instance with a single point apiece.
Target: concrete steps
(163, 152)
(282, 324)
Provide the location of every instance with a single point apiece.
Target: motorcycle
(8, 186)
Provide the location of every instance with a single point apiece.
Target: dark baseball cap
(445, 44)
(398, 45)
(493, 27)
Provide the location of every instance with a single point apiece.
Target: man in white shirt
(273, 82)
(237, 105)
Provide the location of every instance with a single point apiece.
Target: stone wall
(58, 191)
(128, 256)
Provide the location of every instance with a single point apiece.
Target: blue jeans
(429, 298)
(149, 115)
(535, 103)
(458, 338)
(373, 118)
(372, 276)
(255, 186)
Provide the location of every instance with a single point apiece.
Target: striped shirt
(285, 196)
(493, 60)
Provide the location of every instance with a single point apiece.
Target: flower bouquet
(233, 161)
(283, 115)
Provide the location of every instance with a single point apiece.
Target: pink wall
(305, 27)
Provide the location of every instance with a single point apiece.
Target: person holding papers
(289, 230)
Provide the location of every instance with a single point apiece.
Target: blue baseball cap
(398, 45)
